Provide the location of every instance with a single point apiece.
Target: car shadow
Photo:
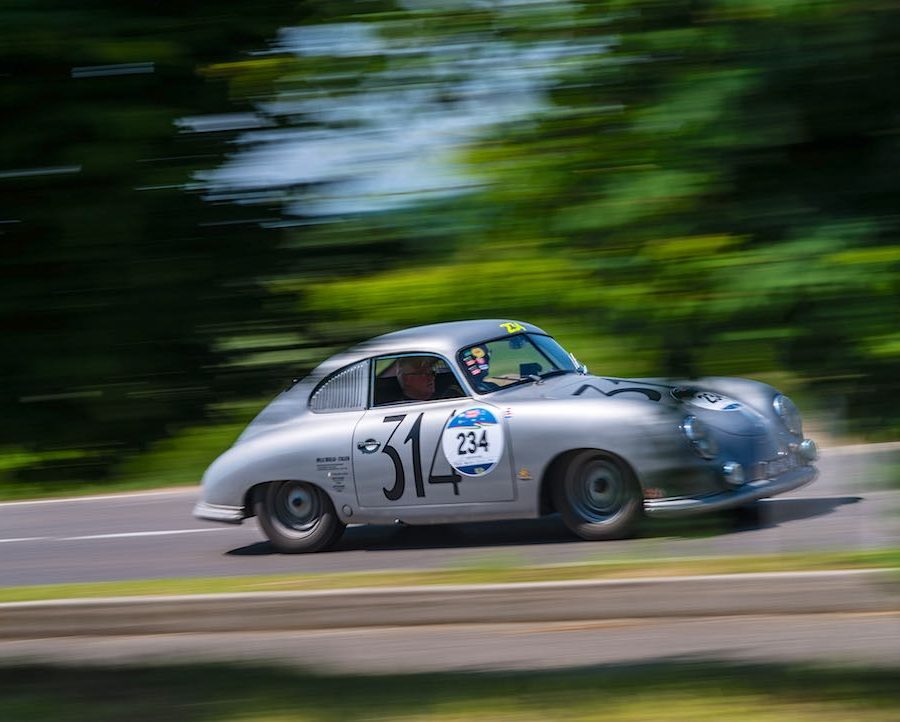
(519, 532)
(775, 511)
(257, 549)
(550, 529)
(765, 514)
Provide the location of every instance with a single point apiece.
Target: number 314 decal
(413, 437)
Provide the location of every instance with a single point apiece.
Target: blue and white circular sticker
(473, 442)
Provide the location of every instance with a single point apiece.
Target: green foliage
(709, 187)
(714, 190)
(678, 692)
(117, 281)
(736, 183)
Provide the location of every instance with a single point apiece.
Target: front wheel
(597, 496)
(297, 517)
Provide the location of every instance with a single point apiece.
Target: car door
(420, 453)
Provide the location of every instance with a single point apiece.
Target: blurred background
(199, 202)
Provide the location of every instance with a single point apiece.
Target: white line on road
(124, 496)
(119, 535)
(137, 533)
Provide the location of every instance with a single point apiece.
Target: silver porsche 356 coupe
(482, 420)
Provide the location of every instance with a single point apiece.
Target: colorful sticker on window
(475, 360)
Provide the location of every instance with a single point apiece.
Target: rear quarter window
(346, 390)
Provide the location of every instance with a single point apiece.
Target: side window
(402, 379)
(342, 391)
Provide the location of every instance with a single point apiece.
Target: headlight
(809, 450)
(699, 436)
(788, 413)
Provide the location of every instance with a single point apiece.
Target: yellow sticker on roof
(512, 326)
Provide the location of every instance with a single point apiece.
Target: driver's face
(418, 383)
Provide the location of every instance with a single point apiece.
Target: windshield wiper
(539, 378)
(554, 372)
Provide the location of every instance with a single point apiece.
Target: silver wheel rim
(598, 491)
(296, 508)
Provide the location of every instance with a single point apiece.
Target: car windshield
(502, 362)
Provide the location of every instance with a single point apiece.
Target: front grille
(773, 467)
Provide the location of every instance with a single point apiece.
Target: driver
(415, 374)
(424, 378)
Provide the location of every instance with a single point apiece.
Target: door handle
(369, 446)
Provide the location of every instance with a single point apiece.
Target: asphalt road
(153, 535)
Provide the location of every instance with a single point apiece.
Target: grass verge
(497, 572)
(675, 692)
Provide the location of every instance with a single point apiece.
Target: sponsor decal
(651, 394)
(478, 352)
(473, 442)
(524, 474)
(512, 327)
(713, 401)
(336, 468)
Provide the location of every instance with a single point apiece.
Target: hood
(717, 410)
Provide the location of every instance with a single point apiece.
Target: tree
(118, 286)
(712, 193)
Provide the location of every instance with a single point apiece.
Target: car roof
(440, 338)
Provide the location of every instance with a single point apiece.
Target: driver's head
(415, 374)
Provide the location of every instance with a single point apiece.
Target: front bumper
(746, 494)
(219, 512)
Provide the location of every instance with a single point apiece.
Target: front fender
(644, 434)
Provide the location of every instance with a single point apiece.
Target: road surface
(153, 535)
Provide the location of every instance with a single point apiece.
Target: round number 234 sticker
(473, 442)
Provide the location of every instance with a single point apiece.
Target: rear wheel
(597, 496)
(297, 517)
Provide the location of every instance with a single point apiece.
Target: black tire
(597, 496)
(297, 517)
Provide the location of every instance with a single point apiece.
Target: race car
(493, 419)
